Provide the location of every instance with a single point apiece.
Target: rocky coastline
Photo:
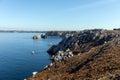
(83, 41)
(61, 34)
(88, 54)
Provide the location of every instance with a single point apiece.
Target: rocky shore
(83, 41)
(89, 54)
(61, 34)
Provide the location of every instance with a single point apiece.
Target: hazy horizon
(44, 15)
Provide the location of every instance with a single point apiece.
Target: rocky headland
(84, 55)
(61, 34)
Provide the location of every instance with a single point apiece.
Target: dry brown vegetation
(100, 61)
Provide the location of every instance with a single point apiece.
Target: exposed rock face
(36, 36)
(62, 34)
(61, 55)
(117, 29)
(43, 36)
(99, 63)
(98, 58)
(77, 42)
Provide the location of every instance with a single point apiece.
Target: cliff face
(96, 56)
(83, 41)
(59, 33)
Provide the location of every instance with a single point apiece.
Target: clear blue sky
(59, 14)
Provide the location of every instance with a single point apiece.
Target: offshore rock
(37, 37)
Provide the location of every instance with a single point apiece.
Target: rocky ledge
(88, 54)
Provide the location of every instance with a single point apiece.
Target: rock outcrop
(61, 34)
(83, 41)
(61, 55)
(95, 55)
(36, 36)
(116, 29)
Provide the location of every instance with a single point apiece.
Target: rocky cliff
(83, 41)
(59, 33)
(95, 55)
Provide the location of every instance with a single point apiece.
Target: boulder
(36, 36)
(43, 36)
(61, 55)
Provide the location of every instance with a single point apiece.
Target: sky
(59, 14)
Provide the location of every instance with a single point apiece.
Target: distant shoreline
(20, 31)
(35, 31)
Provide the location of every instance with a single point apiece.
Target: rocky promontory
(83, 41)
(61, 34)
(84, 55)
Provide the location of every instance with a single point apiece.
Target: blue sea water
(16, 59)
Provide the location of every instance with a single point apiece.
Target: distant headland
(21, 31)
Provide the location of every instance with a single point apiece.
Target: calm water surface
(16, 60)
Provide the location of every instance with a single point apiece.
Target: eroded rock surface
(83, 41)
(96, 56)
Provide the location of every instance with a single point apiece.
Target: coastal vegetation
(84, 55)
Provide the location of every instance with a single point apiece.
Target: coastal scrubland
(96, 56)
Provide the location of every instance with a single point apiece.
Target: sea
(16, 59)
